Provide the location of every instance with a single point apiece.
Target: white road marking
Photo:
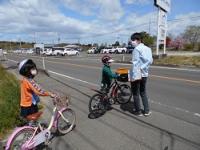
(164, 105)
(124, 64)
(72, 78)
(158, 103)
(197, 114)
(13, 60)
(180, 69)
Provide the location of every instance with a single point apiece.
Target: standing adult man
(141, 60)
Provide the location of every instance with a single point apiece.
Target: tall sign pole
(163, 8)
(158, 43)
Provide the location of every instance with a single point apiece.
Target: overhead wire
(131, 27)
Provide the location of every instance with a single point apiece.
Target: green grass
(9, 101)
(179, 61)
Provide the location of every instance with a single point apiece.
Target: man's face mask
(34, 72)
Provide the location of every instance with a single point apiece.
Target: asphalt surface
(174, 100)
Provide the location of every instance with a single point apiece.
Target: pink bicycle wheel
(66, 121)
(20, 137)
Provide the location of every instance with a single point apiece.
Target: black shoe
(109, 107)
(137, 113)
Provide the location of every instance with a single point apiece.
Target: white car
(106, 50)
(47, 52)
(57, 51)
(113, 50)
(5, 52)
(30, 51)
(69, 52)
(121, 50)
(91, 51)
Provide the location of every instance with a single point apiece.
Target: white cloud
(148, 22)
(37, 16)
(136, 23)
(102, 9)
(111, 10)
(179, 24)
(84, 7)
(44, 19)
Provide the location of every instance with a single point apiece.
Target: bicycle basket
(62, 101)
(123, 75)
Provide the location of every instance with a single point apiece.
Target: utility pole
(35, 37)
(149, 26)
(10, 44)
(58, 38)
(20, 46)
(78, 40)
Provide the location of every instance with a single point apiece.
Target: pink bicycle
(29, 137)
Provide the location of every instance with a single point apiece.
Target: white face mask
(134, 43)
(34, 72)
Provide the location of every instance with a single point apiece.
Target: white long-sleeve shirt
(141, 60)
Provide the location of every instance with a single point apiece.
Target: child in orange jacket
(30, 90)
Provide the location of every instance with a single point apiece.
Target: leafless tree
(192, 35)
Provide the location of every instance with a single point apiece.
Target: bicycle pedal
(111, 101)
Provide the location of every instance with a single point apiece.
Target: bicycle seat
(34, 117)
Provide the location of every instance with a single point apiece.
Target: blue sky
(89, 21)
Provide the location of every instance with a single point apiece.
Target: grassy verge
(9, 101)
(179, 61)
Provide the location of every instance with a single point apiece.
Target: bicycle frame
(43, 135)
(114, 87)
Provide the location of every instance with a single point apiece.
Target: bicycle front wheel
(66, 121)
(96, 104)
(21, 138)
(124, 94)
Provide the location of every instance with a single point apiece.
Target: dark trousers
(139, 89)
(25, 111)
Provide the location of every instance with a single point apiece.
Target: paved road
(174, 98)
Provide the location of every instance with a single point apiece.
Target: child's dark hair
(25, 70)
(136, 36)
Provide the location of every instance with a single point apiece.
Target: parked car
(107, 50)
(47, 52)
(57, 51)
(92, 50)
(120, 50)
(69, 52)
(29, 51)
(5, 52)
(113, 50)
(17, 51)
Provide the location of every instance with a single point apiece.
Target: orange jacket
(30, 89)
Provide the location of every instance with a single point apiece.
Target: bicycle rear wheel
(124, 94)
(20, 138)
(66, 121)
(96, 104)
